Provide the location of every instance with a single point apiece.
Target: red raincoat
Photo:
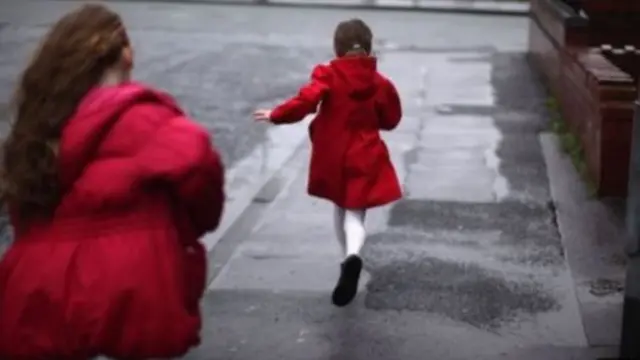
(118, 270)
(350, 163)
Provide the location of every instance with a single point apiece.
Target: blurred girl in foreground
(109, 187)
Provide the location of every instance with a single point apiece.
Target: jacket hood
(358, 74)
(98, 111)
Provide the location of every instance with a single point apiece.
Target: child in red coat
(109, 187)
(350, 163)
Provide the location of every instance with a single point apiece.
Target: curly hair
(72, 59)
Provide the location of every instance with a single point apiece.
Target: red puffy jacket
(118, 270)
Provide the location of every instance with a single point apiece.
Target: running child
(109, 187)
(350, 164)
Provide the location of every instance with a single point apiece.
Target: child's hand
(262, 115)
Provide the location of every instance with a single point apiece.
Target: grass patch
(570, 144)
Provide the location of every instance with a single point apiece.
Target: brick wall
(560, 23)
(608, 118)
(596, 97)
(554, 28)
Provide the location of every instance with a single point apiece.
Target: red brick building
(589, 54)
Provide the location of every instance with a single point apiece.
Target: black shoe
(347, 286)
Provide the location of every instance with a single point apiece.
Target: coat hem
(370, 205)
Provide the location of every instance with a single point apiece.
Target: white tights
(350, 231)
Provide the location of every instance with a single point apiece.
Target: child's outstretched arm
(388, 106)
(304, 103)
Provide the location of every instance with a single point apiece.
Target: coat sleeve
(306, 101)
(389, 107)
(181, 154)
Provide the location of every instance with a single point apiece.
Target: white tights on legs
(350, 231)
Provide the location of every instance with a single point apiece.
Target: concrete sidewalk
(492, 7)
(470, 265)
(485, 6)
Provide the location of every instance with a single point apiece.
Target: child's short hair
(352, 37)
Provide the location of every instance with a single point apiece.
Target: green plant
(570, 143)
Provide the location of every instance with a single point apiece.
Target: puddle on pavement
(462, 292)
(473, 263)
(504, 89)
(428, 215)
(460, 85)
(526, 231)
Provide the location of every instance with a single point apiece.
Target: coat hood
(358, 74)
(99, 110)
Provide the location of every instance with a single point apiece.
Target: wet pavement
(469, 265)
(493, 7)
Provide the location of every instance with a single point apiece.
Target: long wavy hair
(72, 59)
